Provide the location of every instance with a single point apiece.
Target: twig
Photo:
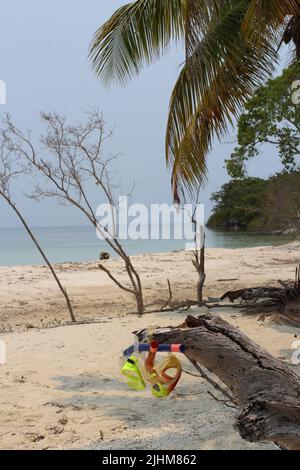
(238, 306)
(170, 297)
(127, 289)
(182, 306)
(212, 382)
(190, 373)
(224, 402)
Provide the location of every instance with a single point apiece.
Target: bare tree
(199, 264)
(199, 253)
(75, 160)
(9, 169)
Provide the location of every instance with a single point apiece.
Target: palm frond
(265, 16)
(215, 83)
(136, 34)
(231, 48)
(199, 14)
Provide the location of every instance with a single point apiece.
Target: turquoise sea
(75, 244)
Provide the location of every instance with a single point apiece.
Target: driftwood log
(281, 304)
(266, 391)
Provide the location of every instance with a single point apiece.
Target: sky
(43, 61)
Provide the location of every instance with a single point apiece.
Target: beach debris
(35, 437)
(56, 429)
(63, 421)
(104, 255)
(21, 380)
(281, 304)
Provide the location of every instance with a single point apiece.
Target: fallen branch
(183, 306)
(282, 304)
(265, 390)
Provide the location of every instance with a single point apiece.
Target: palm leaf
(264, 16)
(136, 34)
(199, 14)
(217, 79)
(230, 51)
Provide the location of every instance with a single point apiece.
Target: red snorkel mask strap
(161, 377)
(150, 359)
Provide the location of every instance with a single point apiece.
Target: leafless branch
(127, 289)
(70, 160)
(212, 382)
(10, 168)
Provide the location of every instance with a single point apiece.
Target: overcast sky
(43, 50)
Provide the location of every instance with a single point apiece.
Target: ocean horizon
(81, 244)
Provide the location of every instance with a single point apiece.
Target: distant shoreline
(80, 244)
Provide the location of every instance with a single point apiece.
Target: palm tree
(231, 48)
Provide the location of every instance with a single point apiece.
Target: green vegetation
(238, 203)
(271, 118)
(259, 205)
(231, 48)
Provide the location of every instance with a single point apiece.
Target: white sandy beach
(61, 386)
(30, 297)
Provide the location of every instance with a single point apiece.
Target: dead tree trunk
(199, 263)
(266, 391)
(199, 259)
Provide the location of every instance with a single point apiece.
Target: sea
(79, 244)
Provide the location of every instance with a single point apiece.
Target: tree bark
(200, 285)
(266, 391)
(199, 262)
(140, 303)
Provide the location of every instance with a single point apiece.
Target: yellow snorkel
(132, 372)
(163, 376)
